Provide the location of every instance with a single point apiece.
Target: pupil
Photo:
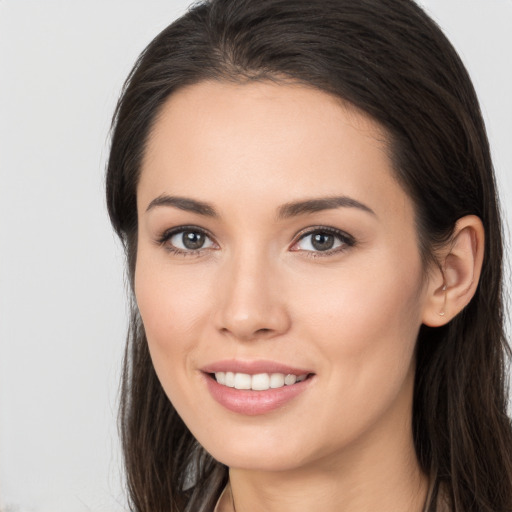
(193, 240)
(322, 241)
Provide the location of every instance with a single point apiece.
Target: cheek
(366, 323)
(366, 328)
(373, 296)
(172, 304)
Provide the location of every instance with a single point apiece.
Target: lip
(253, 367)
(249, 402)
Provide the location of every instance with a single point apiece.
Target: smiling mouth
(259, 381)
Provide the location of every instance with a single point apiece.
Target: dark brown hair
(390, 60)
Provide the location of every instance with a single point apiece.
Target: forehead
(263, 139)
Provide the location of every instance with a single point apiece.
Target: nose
(250, 303)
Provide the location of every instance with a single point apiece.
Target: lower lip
(252, 403)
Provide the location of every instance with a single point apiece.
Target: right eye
(186, 240)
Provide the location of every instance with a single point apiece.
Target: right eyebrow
(183, 203)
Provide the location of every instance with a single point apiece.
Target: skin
(258, 291)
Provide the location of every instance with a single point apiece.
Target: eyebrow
(292, 209)
(184, 203)
(297, 208)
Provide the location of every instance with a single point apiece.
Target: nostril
(263, 331)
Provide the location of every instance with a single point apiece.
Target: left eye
(322, 241)
(190, 240)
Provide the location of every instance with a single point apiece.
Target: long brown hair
(389, 59)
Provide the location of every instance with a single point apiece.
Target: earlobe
(452, 286)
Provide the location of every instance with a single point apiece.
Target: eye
(327, 240)
(186, 240)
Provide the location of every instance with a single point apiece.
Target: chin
(253, 453)
(260, 460)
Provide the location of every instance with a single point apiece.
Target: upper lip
(253, 367)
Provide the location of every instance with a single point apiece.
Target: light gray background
(62, 308)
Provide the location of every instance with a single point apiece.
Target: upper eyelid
(168, 233)
(319, 229)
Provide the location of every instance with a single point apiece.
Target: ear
(453, 283)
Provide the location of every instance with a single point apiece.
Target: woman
(307, 202)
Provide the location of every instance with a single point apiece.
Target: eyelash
(347, 241)
(168, 234)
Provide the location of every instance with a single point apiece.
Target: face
(278, 254)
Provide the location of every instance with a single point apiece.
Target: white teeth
(230, 379)
(290, 379)
(242, 381)
(258, 382)
(277, 380)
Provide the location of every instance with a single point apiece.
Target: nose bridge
(250, 305)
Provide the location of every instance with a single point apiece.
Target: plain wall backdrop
(62, 305)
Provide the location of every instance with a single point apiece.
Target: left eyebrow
(296, 208)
